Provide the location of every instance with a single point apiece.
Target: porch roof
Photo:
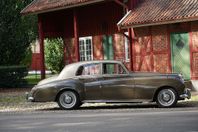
(157, 12)
(41, 6)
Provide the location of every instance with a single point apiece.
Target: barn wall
(142, 50)
(36, 62)
(70, 50)
(118, 42)
(91, 20)
(161, 49)
(152, 47)
(152, 50)
(97, 47)
(118, 47)
(99, 19)
(194, 50)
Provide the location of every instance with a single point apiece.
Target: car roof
(70, 69)
(94, 61)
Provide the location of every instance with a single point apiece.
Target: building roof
(41, 6)
(157, 12)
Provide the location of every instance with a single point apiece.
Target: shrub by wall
(12, 76)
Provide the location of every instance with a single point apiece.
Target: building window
(127, 48)
(85, 48)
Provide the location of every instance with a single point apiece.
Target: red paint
(169, 49)
(97, 47)
(89, 24)
(122, 4)
(131, 48)
(133, 59)
(102, 49)
(151, 51)
(132, 4)
(144, 53)
(41, 42)
(36, 62)
(76, 35)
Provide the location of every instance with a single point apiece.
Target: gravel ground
(14, 100)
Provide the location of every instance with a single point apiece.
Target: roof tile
(39, 6)
(156, 12)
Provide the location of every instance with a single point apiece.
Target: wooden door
(180, 54)
(108, 47)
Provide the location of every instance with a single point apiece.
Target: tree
(54, 54)
(16, 32)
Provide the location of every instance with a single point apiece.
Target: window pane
(111, 68)
(85, 48)
(91, 69)
(127, 50)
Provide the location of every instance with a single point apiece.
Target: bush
(54, 54)
(12, 76)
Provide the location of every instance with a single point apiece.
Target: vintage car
(109, 82)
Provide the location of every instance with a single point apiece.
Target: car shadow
(134, 106)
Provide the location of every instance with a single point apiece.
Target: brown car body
(122, 86)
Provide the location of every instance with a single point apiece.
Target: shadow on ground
(139, 106)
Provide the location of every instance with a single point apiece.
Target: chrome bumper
(29, 97)
(186, 94)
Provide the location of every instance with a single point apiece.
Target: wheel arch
(66, 89)
(161, 88)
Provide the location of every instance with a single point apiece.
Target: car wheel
(68, 100)
(167, 97)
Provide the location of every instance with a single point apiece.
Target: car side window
(113, 68)
(79, 71)
(89, 69)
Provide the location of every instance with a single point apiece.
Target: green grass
(194, 98)
(33, 79)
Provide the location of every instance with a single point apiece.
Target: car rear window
(89, 69)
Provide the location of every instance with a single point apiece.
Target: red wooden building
(147, 35)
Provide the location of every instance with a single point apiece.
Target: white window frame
(85, 55)
(126, 48)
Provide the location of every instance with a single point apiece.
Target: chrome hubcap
(67, 99)
(166, 97)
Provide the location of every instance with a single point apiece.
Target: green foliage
(26, 61)
(16, 31)
(54, 54)
(12, 76)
